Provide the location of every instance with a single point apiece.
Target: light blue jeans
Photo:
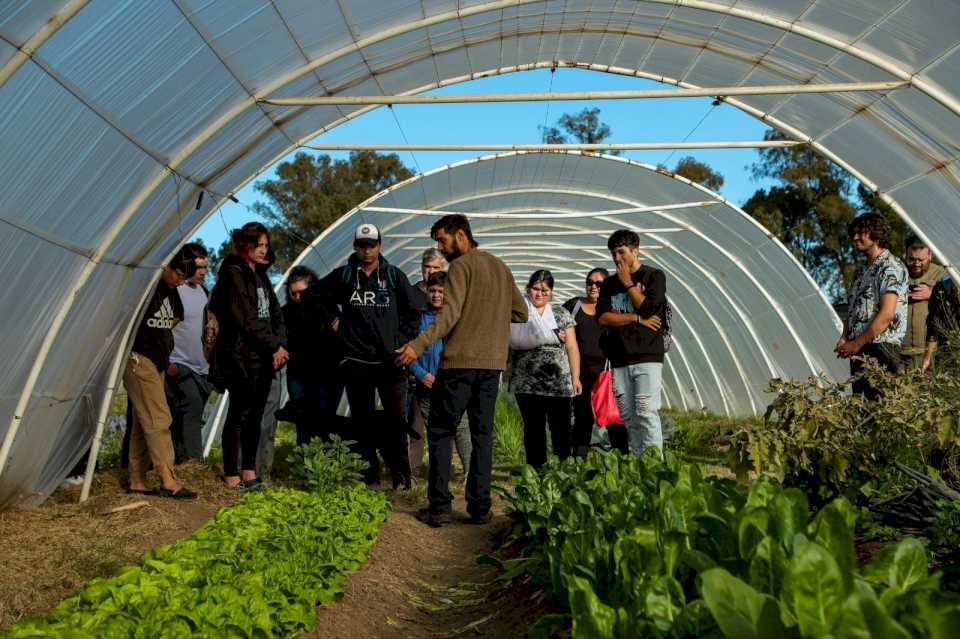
(637, 390)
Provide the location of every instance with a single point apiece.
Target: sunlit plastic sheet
(745, 310)
(114, 97)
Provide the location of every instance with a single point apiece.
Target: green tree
(584, 128)
(809, 210)
(699, 172)
(311, 192)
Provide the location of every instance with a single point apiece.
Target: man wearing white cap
(377, 314)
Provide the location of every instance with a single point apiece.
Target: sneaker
(433, 519)
(251, 485)
(479, 520)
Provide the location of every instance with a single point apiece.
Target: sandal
(180, 493)
(150, 492)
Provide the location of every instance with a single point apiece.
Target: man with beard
(480, 301)
(877, 309)
(924, 275)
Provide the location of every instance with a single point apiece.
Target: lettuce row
(257, 569)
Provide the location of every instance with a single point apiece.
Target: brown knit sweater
(480, 300)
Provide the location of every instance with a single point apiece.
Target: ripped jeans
(637, 390)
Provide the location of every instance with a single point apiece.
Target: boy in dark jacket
(377, 315)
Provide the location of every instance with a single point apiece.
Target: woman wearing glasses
(544, 371)
(584, 312)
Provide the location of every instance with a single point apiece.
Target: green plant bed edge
(256, 569)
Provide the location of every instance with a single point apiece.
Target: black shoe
(413, 435)
(434, 519)
(479, 520)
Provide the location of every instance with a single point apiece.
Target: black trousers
(389, 435)
(887, 355)
(241, 431)
(537, 411)
(619, 438)
(455, 391)
(583, 417)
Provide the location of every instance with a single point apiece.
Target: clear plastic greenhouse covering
(744, 310)
(112, 113)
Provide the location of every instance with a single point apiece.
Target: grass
(507, 432)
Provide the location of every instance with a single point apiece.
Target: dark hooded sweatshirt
(251, 322)
(377, 313)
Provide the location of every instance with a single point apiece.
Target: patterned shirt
(544, 370)
(886, 274)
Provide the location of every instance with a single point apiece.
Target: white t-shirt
(188, 334)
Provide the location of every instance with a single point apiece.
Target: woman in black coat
(250, 347)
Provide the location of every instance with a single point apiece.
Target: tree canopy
(311, 192)
(809, 209)
(584, 128)
(699, 172)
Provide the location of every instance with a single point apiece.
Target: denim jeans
(637, 390)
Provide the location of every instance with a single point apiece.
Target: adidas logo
(163, 318)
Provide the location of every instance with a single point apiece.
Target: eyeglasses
(596, 283)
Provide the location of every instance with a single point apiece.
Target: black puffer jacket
(377, 313)
(251, 323)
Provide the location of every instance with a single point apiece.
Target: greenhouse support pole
(642, 94)
(605, 146)
(50, 26)
(112, 384)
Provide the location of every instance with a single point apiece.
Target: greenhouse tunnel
(115, 116)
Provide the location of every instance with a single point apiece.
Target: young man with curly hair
(877, 304)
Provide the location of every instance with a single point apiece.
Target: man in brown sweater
(480, 300)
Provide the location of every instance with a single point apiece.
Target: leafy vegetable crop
(256, 569)
(651, 548)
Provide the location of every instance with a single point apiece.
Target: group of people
(899, 311)
(435, 352)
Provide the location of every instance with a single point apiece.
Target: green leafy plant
(323, 466)
(651, 547)
(257, 569)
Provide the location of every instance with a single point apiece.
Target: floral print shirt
(544, 370)
(886, 274)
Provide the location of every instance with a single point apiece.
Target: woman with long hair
(544, 371)
(250, 347)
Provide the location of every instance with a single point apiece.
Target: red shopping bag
(605, 411)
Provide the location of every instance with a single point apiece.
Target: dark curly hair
(874, 224)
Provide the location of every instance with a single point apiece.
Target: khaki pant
(150, 438)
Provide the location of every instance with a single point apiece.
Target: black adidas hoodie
(251, 322)
(154, 339)
(378, 313)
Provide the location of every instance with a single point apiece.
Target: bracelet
(632, 284)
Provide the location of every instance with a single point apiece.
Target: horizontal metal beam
(541, 216)
(596, 232)
(699, 92)
(534, 247)
(621, 146)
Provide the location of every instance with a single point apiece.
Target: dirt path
(425, 582)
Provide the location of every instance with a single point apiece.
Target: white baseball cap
(367, 232)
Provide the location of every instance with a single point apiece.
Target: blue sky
(661, 120)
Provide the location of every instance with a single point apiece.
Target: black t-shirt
(634, 343)
(154, 338)
(592, 359)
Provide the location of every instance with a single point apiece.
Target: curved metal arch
(621, 200)
(693, 332)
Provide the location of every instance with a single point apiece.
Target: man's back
(480, 301)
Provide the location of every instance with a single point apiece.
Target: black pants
(537, 411)
(583, 418)
(187, 394)
(887, 355)
(455, 391)
(241, 431)
(619, 438)
(361, 380)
